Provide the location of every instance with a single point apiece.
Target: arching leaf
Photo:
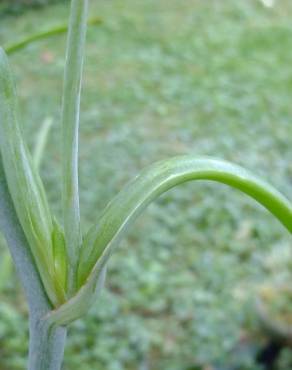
(122, 211)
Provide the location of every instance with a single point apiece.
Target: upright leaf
(24, 183)
(70, 126)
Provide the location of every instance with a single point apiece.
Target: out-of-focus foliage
(196, 76)
(18, 6)
(31, 2)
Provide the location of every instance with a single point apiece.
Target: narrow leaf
(21, 253)
(102, 239)
(70, 125)
(24, 183)
(159, 178)
(56, 30)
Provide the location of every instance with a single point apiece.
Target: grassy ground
(164, 78)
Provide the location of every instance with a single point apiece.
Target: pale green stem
(46, 345)
(70, 126)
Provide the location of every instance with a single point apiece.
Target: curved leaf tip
(161, 177)
(102, 239)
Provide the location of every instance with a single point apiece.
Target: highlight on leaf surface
(25, 186)
(41, 141)
(59, 256)
(119, 215)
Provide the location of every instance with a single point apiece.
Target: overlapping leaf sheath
(25, 186)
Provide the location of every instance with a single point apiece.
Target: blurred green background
(166, 77)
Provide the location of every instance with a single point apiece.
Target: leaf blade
(24, 183)
(70, 126)
(164, 175)
(134, 198)
(56, 30)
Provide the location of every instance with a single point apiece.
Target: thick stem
(46, 346)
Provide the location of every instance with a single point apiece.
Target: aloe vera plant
(61, 269)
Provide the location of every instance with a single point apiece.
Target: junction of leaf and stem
(195, 217)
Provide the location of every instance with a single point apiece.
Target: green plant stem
(70, 126)
(46, 347)
(57, 30)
